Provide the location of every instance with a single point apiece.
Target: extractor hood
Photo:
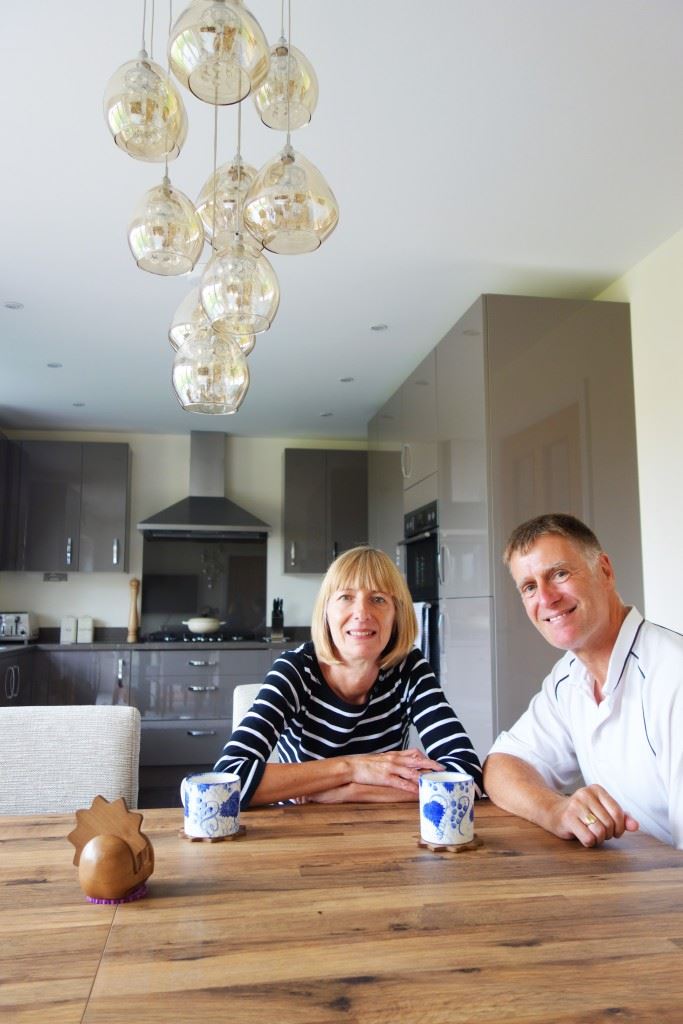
(206, 513)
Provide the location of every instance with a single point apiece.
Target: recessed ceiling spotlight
(471, 333)
(13, 304)
(323, 414)
(346, 380)
(78, 405)
(54, 366)
(379, 327)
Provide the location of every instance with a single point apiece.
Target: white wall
(654, 287)
(160, 476)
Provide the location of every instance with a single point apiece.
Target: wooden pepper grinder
(133, 616)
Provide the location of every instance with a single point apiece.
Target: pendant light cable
(215, 159)
(144, 22)
(289, 59)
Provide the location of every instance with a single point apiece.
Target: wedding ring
(590, 819)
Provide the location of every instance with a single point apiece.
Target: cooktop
(172, 636)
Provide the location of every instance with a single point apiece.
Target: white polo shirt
(631, 743)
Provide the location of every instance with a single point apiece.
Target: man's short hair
(526, 535)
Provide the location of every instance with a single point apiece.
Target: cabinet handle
(292, 553)
(203, 664)
(201, 732)
(119, 672)
(9, 677)
(440, 564)
(203, 689)
(406, 462)
(17, 679)
(115, 552)
(334, 550)
(68, 550)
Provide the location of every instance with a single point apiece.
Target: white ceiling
(523, 146)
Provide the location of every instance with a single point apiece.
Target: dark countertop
(112, 645)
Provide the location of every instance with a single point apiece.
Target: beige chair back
(57, 759)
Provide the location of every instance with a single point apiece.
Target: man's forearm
(516, 786)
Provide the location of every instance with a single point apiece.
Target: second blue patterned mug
(211, 805)
(446, 808)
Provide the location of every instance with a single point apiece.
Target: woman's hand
(398, 769)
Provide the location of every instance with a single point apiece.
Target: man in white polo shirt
(600, 749)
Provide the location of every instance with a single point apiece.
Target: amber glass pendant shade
(217, 49)
(166, 235)
(239, 291)
(190, 319)
(144, 111)
(219, 201)
(289, 95)
(210, 374)
(290, 208)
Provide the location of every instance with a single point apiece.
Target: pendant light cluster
(217, 51)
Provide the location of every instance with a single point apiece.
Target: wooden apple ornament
(113, 856)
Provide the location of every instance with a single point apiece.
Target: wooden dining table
(334, 913)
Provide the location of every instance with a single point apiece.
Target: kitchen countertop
(114, 645)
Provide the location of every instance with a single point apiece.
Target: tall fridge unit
(534, 413)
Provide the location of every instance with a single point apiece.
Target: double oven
(421, 545)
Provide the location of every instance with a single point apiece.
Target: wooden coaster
(473, 844)
(213, 839)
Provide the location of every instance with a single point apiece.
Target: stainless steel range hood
(206, 512)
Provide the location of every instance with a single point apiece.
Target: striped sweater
(297, 711)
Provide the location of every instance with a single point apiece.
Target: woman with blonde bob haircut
(369, 569)
(339, 708)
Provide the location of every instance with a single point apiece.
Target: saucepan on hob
(203, 624)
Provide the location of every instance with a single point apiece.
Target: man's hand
(591, 815)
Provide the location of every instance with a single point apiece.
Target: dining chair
(57, 759)
(243, 697)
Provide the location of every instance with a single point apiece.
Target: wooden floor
(335, 914)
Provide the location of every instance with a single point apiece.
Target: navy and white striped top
(297, 711)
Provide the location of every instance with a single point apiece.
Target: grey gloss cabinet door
(73, 507)
(15, 678)
(82, 677)
(304, 510)
(10, 461)
(326, 506)
(347, 501)
(50, 506)
(104, 508)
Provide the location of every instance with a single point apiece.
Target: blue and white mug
(211, 805)
(446, 808)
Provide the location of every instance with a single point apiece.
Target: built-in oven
(421, 545)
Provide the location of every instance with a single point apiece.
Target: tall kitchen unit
(535, 414)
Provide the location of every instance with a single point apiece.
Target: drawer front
(202, 661)
(197, 742)
(194, 684)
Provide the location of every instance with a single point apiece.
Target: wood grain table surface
(333, 913)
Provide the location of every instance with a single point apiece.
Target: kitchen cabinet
(15, 677)
(418, 426)
(185, 699)
(325, 507)
(82, 677)
(535, 414)
(73, 507)
(10, 456)
(402, 456)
